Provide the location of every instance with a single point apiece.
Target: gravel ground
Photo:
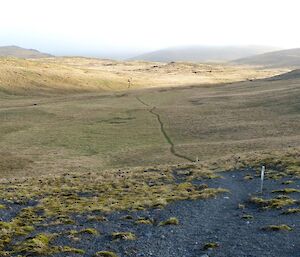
(202, 221)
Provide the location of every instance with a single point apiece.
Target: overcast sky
(95, 27)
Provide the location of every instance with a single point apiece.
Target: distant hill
(283, 58)
(19, 52)
(203, 53)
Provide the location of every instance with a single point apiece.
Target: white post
(262, 176)
(197, 159)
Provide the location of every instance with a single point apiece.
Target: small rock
(204, 255)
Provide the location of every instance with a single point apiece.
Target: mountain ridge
(20, 52)
(203, 53)
(275, 59)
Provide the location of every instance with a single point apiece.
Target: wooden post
(262, 176)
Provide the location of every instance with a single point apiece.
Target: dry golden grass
(74, 75)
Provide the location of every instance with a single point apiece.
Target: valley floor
(114, 173)
(95, 131)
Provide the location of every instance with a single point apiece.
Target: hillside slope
(70, 75)
(202, 53)
(292, 75)
(284, 58)
(19, 52)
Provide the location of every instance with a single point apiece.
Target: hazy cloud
(94, 27)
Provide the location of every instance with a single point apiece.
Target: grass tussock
(170, 221)
(279, 164)
(288, 182)
(144, 220)
(248, 177)
(88, 231)
(247, 217)
(21, 225)
(282, 227)
(38, 245)
(291, 211)
(105, 254)
(286, 191)
(68, 249)
(123, 236)
(210, 245)
(57, 197)
(275, 203)
(105, 192)
(127, 217)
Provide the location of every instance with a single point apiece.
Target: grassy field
(53, 134)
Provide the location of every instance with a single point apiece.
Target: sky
(112, 28)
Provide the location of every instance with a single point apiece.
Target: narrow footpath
(152, 110)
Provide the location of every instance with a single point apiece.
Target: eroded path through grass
(164, 132)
